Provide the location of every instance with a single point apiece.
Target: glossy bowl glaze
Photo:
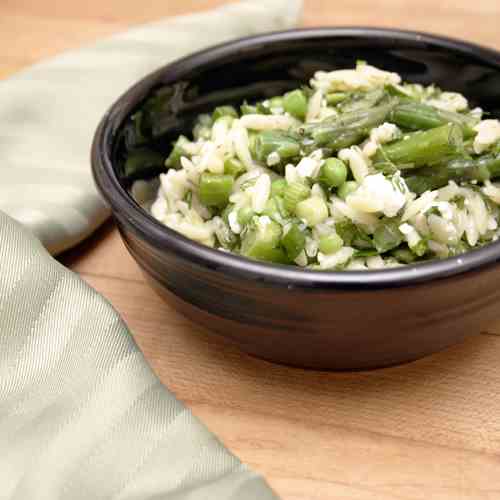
(326, 320)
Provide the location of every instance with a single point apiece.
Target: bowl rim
(160, 236)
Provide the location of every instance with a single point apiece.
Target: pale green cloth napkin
(82, 416)
(49, 112)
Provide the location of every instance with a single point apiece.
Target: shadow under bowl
(322, 320)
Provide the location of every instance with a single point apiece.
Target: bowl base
(316, 354)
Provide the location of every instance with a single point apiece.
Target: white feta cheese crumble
(380, 135)
(449, 101)
(384, 133)
(488, 133)
(308, 167)
(377, 194)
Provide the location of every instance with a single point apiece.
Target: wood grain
(429, 429)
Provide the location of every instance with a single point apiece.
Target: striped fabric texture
(50, 111)
(82, 416)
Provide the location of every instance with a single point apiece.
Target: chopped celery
(294, 193)
(215, 189)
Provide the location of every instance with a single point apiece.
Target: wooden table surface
(425, 430)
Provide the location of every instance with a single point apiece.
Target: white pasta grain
(268, 122)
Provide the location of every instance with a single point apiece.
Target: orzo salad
(358, 170)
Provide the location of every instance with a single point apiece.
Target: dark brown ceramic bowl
(327, 320)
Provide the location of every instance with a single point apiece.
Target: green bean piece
(346, 189)
(234, 167)
(399, 92)
(387, 236)
(333, 173)
(275, 141)
(221, 111)
(293, 242)
(295, 103)
(215, 189)
(262, 240)
(141, 162)
(422, 148)
(278, 187)
(418, 116)
(330, 244)
(458, 170)
(294, 193)
(174, 158)
(361, 100)
(347, 129)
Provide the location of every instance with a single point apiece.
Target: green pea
(333, 173)
(295, 103)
